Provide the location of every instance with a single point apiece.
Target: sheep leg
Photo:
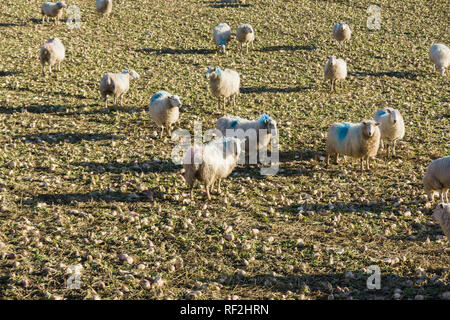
(252, 46)
(59, 66)
(388, 147)
(162, 131)
(169, 131)
(207, 191)
(50, 68)
(218, 103)
(105, 99)
(393, 148)
(43, 69)
(331, 82)
(43, 18)
(337, 158)
(367, 163)
(115, 100)
(247, 47)
(446, 196)
(362, 164)
(328, 159)
(218, 186)
(191, 191)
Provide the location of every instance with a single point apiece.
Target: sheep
(440, 56)
(335, 69)
(164, 109)
(392, 127)
(245, 35)
(52, 52)
(215, 160)
(54, 10)
(442, 216)
(264, 127)
(341, 32)
(359, 140)
(104, 7)
(223, 84)
(437, 178)
(116, 84)
(221, 35)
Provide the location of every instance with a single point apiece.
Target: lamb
(54, 10)
(335, 69)
(437, 178)
(359, 140)
(164, 109)
(223, 84)
(52, 52)
(264, 127)
(245, 35)
(215, 160)
(221, 35)
(104, 7)
(442, 216)
(392, 127)
(116, 84)
(440, 56)
(341, 32)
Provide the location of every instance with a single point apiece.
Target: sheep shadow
(61, 137)
(9, 73)
(271, 90)
(94, 196)
(393, 74)
(230, 4)
(116, 167)
(176, 51)
(36, 109)
(288, 48)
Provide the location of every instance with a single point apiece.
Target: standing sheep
(116, 84)
(335, 69)
(53, 10)
(341, 32)
(104, 7)
(52, 52)
(440, 56)
(359, 140)
(245, 35)
(442, 216)
(164, 109)
(264, 127)
(223, 84)
(437, 178)
(392, 127)
(216, 160)
(221, 35)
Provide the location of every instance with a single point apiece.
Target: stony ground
(81, 185)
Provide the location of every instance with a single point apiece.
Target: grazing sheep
(221, 35)
(223, 84)
(215, 160)
(359, 140)
(341, 32)
(263, 127)
(53, 10)
(52, 52)
(437, 178)
(392, 127)
(116, 84)
(104, 7)
(335, 69)
(442, 216)
(440, 56)
(164, 109)
(245, 35)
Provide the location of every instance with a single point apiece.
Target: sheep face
(438, 213)
(394, 115)
(332, 61)
(212, 74)
(369, 128)
(175, 101)
(61, 4)
(133, 74)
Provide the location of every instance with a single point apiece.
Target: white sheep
(440, 56)
(223, 84)
(392, 127)
(341, 32)
(104, 7)
(245, 35)
(52, 52)
(54, 10)
(164, 109)
(437, 178)
(442, 216)
(116, 84)
(359, 140)
(335, 69)
(221, 35)
(211, 162)
(263, 128)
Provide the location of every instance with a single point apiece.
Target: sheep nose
(395, 121)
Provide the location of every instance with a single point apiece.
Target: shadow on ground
(176, 51)
(116, 167)
(57, 137)
(273, 90)
(287, 48)
(393, 74)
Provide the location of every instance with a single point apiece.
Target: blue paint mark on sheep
(264, 118)
(218, 71)
(381, 112)
(223, 42)
(342, 130)
(233, 124)
(158, 95)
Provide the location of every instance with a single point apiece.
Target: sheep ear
(389, 110)
(364, 123)
(377, 123)
(266, 121)
(441, 206)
